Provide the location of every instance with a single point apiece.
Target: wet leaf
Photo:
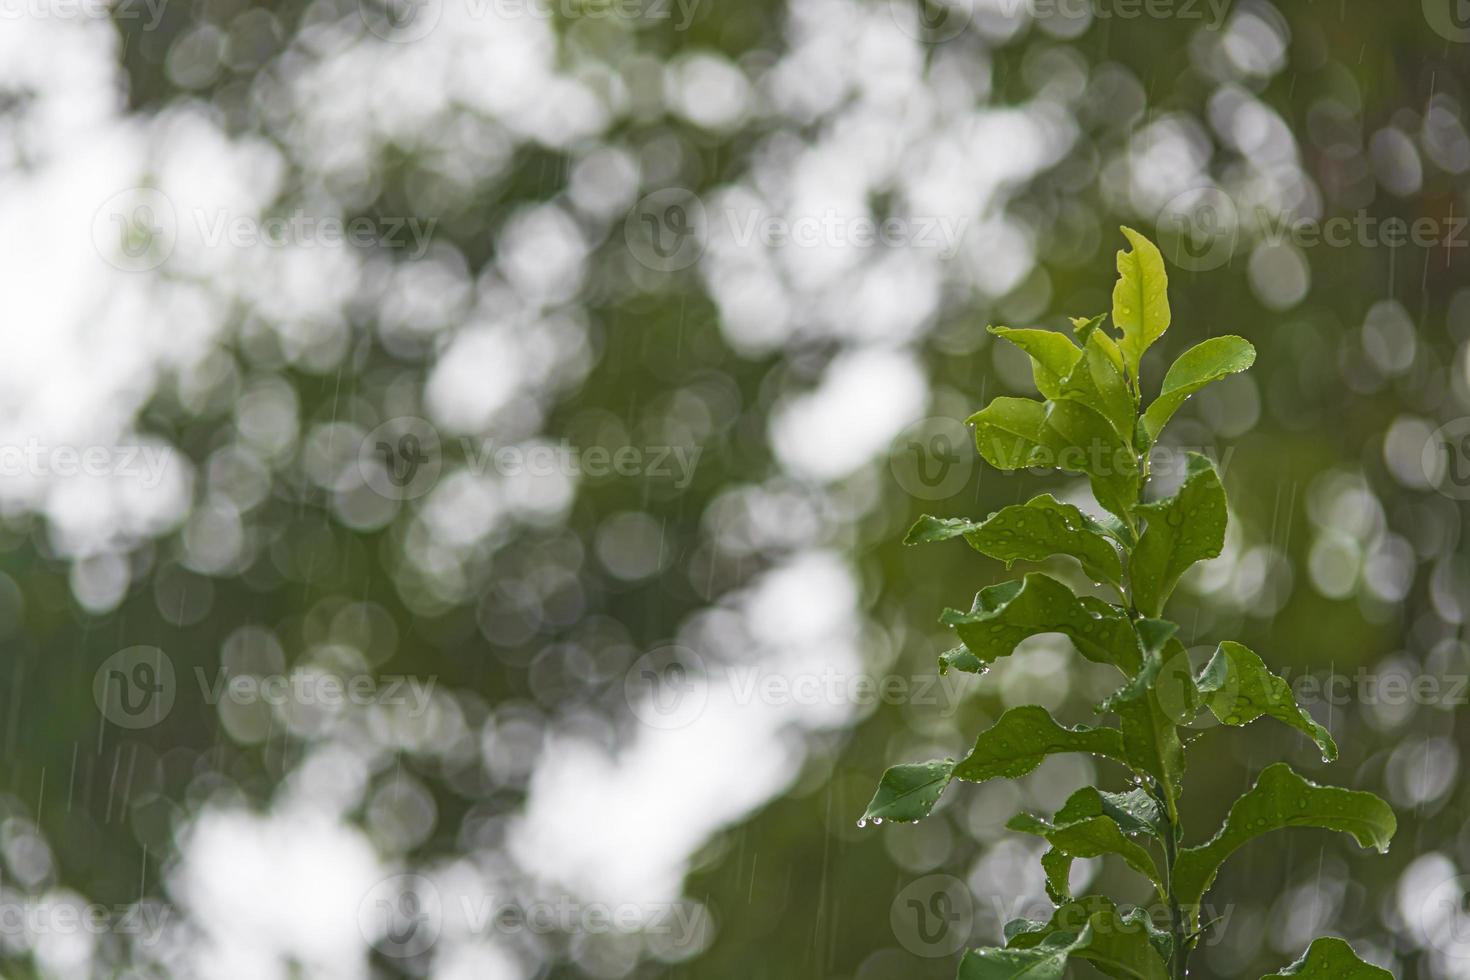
(1033, 531)
(1003, 615)
(1098, 382)
(1052, 356)
(1083, 441)
(909, 792)
(1140, 299)
(1092, 929)
(1150, 734)
(1281, 799)
(1022, 738)
(1331, 959)
(1216, 358)
(1182, 529)
(1238, 688)
(1012, 434)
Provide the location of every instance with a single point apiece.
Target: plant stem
(1179, 954)
(1179, 950)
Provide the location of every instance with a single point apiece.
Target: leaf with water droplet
(1281, 799)
(1216, 358)
(1331, 959)
(908, 792)
(1012, 434)
(1022, 738)
(1238, 688)
(1033, 531)
(1092, 929)
(1182, 529)
(1003, 615)
(1052, 354)
(1090, 835)
(1150, 731)
(1140, 299)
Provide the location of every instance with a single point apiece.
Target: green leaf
(1090, 837)
(1212, 360)
(1058, 867)
(1083, 326)
(1083, 441)
(1033, 531)
(1003, 615)
(1150, 734)
(1047, 963)
(1134, 811)
(1182, 529)
(1022, 738)
(1238, 689)
(1331, 959)
(1282, 799)
(1140, 299)
(1052, 356)
(1092, 929)
(960, 658)
(1097, 381)
(907, 793)
(1012, 434)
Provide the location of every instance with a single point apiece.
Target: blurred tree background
(547, 608)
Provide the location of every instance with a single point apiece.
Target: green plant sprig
(1091, 420)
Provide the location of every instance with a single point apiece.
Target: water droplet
(862, 823)
(877, 821)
